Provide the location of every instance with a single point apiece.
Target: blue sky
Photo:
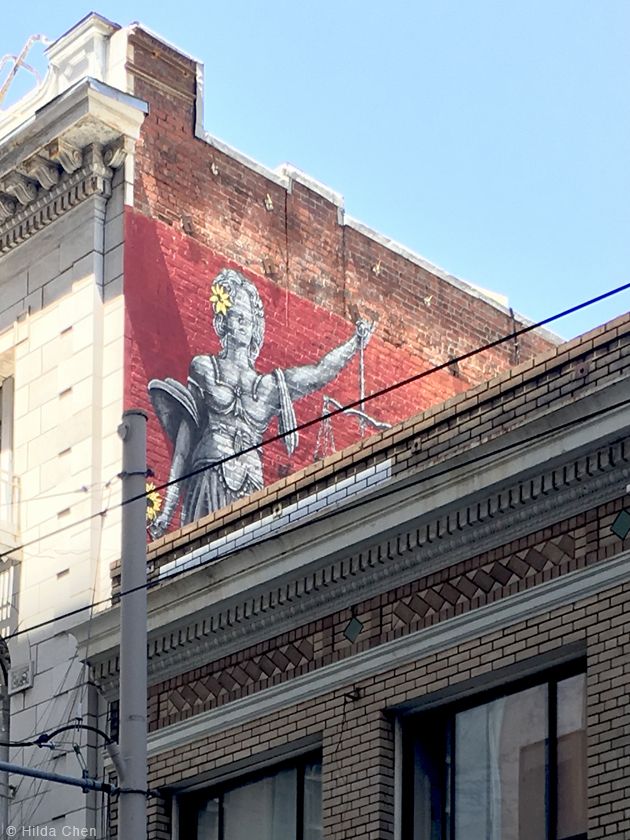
(493, 138)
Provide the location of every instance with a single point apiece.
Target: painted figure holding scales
(227, 406)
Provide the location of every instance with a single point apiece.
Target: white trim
(292, 173)
(420, 644)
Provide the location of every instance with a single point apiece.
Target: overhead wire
(76, 693)
(334, 412)
(339, 510)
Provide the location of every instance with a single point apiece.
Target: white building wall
(62, 328)
(66, 171)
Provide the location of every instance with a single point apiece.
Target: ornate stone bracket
(52, 182)
(62, 154)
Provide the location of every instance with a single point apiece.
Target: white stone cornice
(95, 48)
(69, 157)
(93, 178)
(64, 155)
(88, 112)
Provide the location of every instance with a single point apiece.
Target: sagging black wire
(330, 514)
(455, 360)
(44, 738)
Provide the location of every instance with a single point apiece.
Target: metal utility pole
(133, 629)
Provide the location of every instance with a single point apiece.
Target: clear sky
(491, 137)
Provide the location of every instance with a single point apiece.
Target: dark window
(510, 767)
(283, 804)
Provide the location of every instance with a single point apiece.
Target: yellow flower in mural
(154, 501)
(220, 299)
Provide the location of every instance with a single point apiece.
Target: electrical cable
(41, 497)
(97, 563)
(342, 509)
(395, 386)
(313, 421)
(44, 738)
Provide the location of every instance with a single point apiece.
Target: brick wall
(198, 209)
(357, 738)
(309, 252)
(169, 320)
(489, 412)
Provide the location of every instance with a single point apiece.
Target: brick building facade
(129, 238)
(467, 609)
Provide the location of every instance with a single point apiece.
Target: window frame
(189, 802)
(445, 712)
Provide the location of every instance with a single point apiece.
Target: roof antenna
(19, 61)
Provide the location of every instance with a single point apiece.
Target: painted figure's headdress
(220, 299)
(225, 287)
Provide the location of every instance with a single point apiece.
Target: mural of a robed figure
(226, 405)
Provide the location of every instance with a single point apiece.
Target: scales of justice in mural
(217, 421)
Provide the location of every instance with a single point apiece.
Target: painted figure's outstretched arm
(179, 465)
(305, 379)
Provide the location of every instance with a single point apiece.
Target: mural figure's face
(240, 320)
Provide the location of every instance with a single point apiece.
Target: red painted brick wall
(169, 320)
(198, 210)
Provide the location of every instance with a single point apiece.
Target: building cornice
(393, 654)
(63, 155)
(436, 540)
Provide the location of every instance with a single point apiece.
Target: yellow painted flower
(154, 501)
(220, 299)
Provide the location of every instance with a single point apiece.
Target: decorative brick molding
(481, 580)
(220, 686)
(489, 580)
(442, 546)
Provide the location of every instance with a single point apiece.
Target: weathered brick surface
(357, 738)
(197, 209)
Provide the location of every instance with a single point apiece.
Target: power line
(396, 385)
(46, 738)
(313, 421)
(41, 497)
(344, 509)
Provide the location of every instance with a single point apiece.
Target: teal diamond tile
(353, 629)
(621, 525)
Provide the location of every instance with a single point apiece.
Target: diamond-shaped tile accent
(621, 525)
(353, 628)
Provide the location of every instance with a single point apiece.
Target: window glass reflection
(208, 820)
(313, 802)
(264, 809)
(572, 819)
(500, 768)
